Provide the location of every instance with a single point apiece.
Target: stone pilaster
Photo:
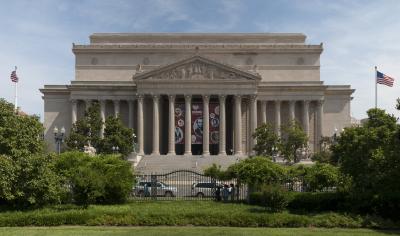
(156, 125)
(171, 127)
(188, 125)
(222, 125)
(206, 125)
(130, 115)
(238, 125)
(140, 136)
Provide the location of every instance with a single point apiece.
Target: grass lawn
(172, 231)
(184, 213)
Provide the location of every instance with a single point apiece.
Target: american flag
(384, 79)
(14, 77)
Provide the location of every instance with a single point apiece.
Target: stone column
(74, 112)
(171, 132)
(222, 125)
(140, 136)
(103, 116)
(156, 125)
(306, 117)
(238, 125)
(291, 110)
(320, 118)
(130, 113)
(188, 125)
(88, 103)
(264, 111)
(278, 117)
(116, 108)
(253, 122)
(206, 125)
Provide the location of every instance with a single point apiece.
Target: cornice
(215, 48)
(249, 68)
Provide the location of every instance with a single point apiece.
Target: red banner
(197, 123)
(179, 123)
(214, 123)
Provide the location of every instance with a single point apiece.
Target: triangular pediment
(197, 68)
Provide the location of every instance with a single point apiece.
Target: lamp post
(115, 149)
(134, 143)
(59, 137)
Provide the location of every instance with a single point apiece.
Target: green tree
(20, 135)
(320, 176)
(86, 129)
(293, 138)
(369, 155)
(116, 135)
(266, 140)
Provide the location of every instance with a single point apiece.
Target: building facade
(200, 94)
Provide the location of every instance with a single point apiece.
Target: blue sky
(37, 36)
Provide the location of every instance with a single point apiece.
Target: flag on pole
(14, 77)
(384, 79)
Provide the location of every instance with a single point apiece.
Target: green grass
(183, 213)
(175, 231)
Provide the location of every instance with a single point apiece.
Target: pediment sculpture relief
(198, 71)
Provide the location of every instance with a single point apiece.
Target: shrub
(321, 176)
(98, 179)
(274, 198)
(319, 201)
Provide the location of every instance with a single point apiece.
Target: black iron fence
(187, 185)
(190, 185)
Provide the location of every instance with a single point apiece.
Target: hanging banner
(197, 123)
(179, 123)
(214, 123)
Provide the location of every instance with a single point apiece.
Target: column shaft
(116, 108)
(264, 111)
(74, 111)
(206, 125)
(171, 132)
(188, 125)
(238, 125)
(306, 117)
(156, 125)
(222, 125)
(253, 122)
(278, 118)
(292, 111)
(140, 125)
(103, 117)
(320, 119)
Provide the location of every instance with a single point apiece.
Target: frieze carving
(197, 71)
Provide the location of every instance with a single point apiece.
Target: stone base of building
(166, 163)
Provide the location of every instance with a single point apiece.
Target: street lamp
(59, 137)
(115, 149)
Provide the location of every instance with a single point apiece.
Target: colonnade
(238, 150)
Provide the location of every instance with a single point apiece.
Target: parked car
(162, 189)
(204, 189)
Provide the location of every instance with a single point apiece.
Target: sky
(37, 37)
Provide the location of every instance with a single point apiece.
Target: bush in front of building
(273, 197)
(100, 179)
(321, 177)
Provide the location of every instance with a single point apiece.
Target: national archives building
(201, 94)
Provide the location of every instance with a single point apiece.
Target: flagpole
(16, 94)
(376, 88)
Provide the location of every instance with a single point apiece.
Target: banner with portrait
(179, 123)
(197, 123)
(214, 123)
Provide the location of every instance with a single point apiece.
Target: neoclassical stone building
(200, 94)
